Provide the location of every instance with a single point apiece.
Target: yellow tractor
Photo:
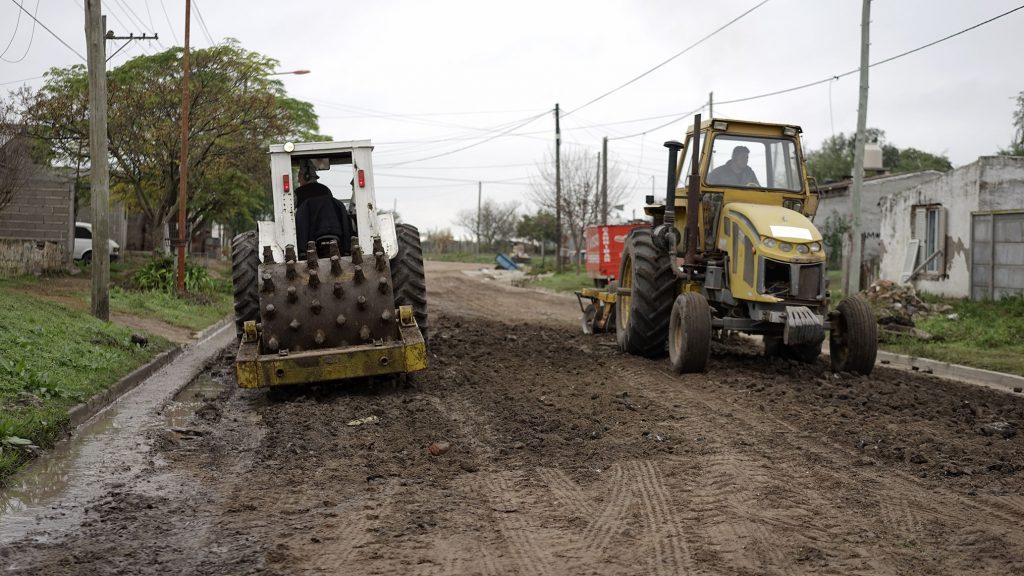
(734, 250)
(332, 288)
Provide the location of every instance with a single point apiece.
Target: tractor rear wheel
(689, 333)
(642, 316)
(245, 264)
(853, 339)
(408, 275)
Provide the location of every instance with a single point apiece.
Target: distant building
(961, 235)
(37, 227)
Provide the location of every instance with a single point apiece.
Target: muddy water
(49, 496)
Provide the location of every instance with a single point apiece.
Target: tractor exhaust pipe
(692, 194)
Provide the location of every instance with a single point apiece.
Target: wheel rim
(622, 307)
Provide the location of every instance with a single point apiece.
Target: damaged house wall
(935, 220)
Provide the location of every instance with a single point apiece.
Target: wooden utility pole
(183, 161)
(854, 262)
(479, 211)
(558, 192)
(99, 173)
(604, 181)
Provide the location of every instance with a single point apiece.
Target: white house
(961, 235)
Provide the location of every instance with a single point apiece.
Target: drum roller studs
(361, 302)
(332, 246)
(382, 285)
(359, 276)
(271, 310)
(339, 290)
(335, 263)
(292, 294)
(312, 263)
(289, 253)
(272, 344)
(378, 246)
(319, 337)
(290, 269)
(268, 282)
(340, 320)
(357, 252)
(379, 257)
(316, 307)
(295, 325)
(364, 332)
(386, 315)
(314, 279)
(268, 255)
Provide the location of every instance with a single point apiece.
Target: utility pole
(604, 180)
(99, 173)
(711, 104)
(854, 262)
(479, 211)
(183, 161)
(558, 192)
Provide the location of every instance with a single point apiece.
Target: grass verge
(470, 257)
(984, 334)
(192, 312)
(564, 282)
(52, 358)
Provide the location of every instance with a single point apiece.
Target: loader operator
(735, 172)
(318, 216)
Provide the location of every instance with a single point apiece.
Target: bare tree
(581, 195)
(497, 221)
(15, 163)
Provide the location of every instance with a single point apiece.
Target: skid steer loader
(327, 291)
(737, 252)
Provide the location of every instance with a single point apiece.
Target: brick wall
(21, 257)
(38, 225)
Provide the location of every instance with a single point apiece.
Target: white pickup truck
(83, 243)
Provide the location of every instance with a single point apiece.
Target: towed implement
(330, 289)
(735, 251)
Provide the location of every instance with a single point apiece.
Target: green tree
(236, 108)
(541, 228)
(1017, 146)
(834, 160)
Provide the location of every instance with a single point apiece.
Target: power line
(202, 23)
(168, 18)
(20, 81)
(31, 37)
(17, 24)
(52, 33)
(677, 55)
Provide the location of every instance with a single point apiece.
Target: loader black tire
(642, 317)
(689, 334)
(408, 275)
(853, 339)
(245, 264)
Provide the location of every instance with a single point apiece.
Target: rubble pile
(897, 306)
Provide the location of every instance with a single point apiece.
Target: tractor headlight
(770, 243)
(802, 248)
(815, 247)
(794, 205)
(785, 246)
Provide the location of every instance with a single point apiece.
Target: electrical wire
(677, 55)
(31, 37)
(17, 24)
(52, 33)
(136, 19)
(169, 25)
(20, 81)
(202, 23)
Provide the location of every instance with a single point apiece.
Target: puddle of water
(49, 495)
(191, 399)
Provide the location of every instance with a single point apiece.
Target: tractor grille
(810, 281)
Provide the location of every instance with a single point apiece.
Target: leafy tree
(834, 160)
(236, 108)
(497, 221)
(581, 200)
(440, 240)
(1017, 146)
(541, 228)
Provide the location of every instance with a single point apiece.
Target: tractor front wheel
(689, 333)
(642, 311)
(853, 339)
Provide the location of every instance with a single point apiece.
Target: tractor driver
(318, 216)
(735, 172)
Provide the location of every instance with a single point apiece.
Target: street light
(296, 72)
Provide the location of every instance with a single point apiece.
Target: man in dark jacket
(317, 214)
(735, 172)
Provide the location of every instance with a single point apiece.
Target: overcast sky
(425, 78)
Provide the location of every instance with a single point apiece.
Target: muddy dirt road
(566, 457)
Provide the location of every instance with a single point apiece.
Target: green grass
(469, 257)
(53, 358)
(564, 282)
(986, 335)
(192, 312)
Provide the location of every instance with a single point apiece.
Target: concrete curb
(988, 378)
(80, 413)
